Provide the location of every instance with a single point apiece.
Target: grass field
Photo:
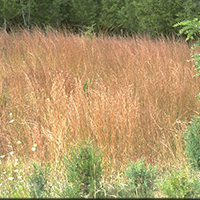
(132, 96)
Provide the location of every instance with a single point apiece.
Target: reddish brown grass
(140, 95)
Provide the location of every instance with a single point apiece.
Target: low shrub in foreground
(141, 178)
(84, 171)
(81, 175)
(192, 137)
(181, 183)
(37, 181)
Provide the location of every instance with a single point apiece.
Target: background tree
(41, 12)
(61, 13)
(9, 9)
(84, 13)
(128, 18)
(26, 17)
(157, 16)
(191, 10)
(110, 15)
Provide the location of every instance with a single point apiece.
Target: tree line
(123, 17)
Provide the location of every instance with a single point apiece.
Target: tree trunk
(5, 24)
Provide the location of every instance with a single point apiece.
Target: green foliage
(152, 16)
(190, 10)
(192, 137)
(191, 28)
(128, 18)
(110, 17)
(180, 184)
(59, 13)
(157, 16)
(141, 178)
(85, 87)
(89, 31)
(84, 171)
(8, 11)
(37, 181)
(41, 12)
(11, 178)
(84, 13)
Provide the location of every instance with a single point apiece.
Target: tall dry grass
(141, 93)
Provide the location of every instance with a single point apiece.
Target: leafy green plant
(37, 181)
(84, 170)
(141, 178)
(192, 30)
(180, 184)
(192, 137)
(89, 31)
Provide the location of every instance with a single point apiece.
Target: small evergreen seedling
(37, 181)
(85, 170)
(141, 178)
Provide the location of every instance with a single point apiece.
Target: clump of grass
(13, 175)
(180, 183)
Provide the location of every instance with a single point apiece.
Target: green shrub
(141, 178)
(84, 171)
(37, 181)
(180, 184)
(192, 137)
